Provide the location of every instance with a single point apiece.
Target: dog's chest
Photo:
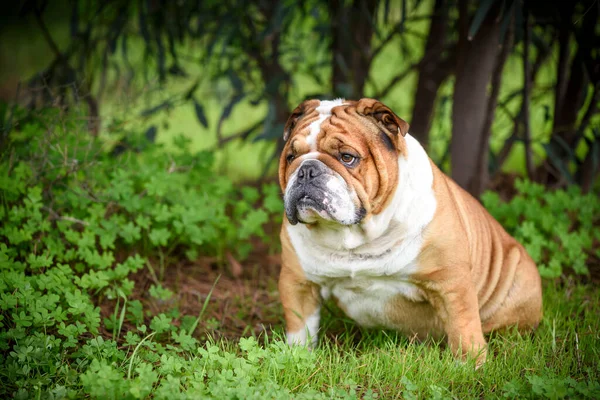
(364, 285)
(367, 299)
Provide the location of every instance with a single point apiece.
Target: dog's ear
(292, 120)
(297, 114)
(383, 115)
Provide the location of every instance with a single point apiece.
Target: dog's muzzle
(316, 190)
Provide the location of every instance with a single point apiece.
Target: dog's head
(340, 160)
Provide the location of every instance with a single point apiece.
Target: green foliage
(76, 223)
(549, 386)
(560, 229)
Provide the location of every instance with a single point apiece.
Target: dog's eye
(348, 159)
(290, 158)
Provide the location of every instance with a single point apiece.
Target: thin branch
(94, 120)
(428, 58)
(496, 83)
(9, 121)
(416, 34)
(541, 57)
(398, 28)
(585, 13)
(506, 148)
(514, 136)
(398, 78)
(526, 92)
(47, 35)
(240, 135)
(56, 216)
(252, 45)
(267, 165)
(103, 74)
(591, 111)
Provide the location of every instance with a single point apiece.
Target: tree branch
(527, 91)
(446, 63)
(61, 59)
(222, 141)
(589, 113)
(399, 77)
(496, 83)
(398, 28)
(47, 35)
(504, 152)
(57, 216)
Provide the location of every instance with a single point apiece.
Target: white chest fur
(365, 266)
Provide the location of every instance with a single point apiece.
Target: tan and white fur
(372, 222)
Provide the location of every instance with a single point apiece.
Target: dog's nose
(309, 170)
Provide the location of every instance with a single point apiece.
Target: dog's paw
(302, 338)
(471, 350)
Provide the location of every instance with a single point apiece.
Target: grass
(566, 345)
(561, 359)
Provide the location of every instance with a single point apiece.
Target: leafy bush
(78, 220)
(560, 229)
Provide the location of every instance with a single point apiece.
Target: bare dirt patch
(244, 300)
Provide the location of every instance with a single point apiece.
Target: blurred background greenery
(226, 75)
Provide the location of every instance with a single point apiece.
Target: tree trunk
(566, 117)
(432, 72)
(486, 132)
(351, 33)
(589, 168)
(476, 61)
(566, 9)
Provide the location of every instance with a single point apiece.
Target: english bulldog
(372, 222)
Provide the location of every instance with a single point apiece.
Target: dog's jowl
(371, 221)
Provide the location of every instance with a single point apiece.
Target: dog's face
(340, 160)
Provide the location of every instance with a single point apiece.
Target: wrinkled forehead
(322, 113)
(315, 116)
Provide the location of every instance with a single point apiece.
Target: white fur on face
(324, 110)
(308, 334)
(340, 199)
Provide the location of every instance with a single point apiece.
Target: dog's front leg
(455, 301)
(301, 308)
(300, 299)
(463, 325)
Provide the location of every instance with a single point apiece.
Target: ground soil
(243, 302)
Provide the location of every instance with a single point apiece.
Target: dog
(371, 221)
